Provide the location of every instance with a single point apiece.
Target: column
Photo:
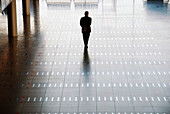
(165, 1)
(12, 19)
(36, 17)
(27, 26)
(26, 7)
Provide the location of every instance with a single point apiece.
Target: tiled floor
(126, 69)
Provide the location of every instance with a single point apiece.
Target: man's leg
(87, 40)
(84, 38)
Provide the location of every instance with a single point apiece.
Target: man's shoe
(86, 46)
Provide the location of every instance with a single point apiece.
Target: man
(85, 23)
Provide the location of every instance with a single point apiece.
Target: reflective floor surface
(126, 69)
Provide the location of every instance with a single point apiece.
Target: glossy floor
(126, 69)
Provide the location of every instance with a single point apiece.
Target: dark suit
(85, 23)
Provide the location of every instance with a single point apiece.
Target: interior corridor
(125, 70)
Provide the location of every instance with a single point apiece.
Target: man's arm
(81, 23)
(90, 20)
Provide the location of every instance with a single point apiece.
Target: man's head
(86, 13)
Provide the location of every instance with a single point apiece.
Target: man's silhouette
(85, 23)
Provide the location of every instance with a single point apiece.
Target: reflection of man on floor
(85, 23)
(86, 63)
